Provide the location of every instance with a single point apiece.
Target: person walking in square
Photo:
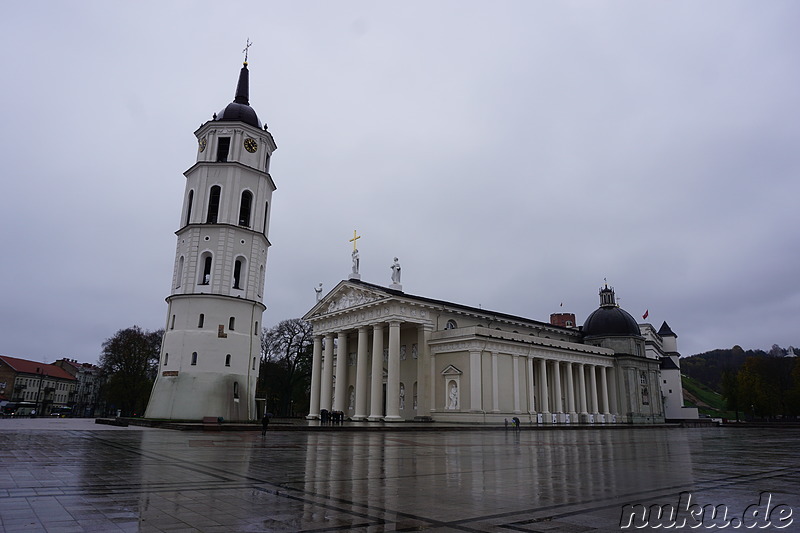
(264, 424)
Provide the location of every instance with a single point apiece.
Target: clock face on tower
(202, 144)
(250, 145)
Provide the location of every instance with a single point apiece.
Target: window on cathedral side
(231, 323)
(213, 204)
(166, 359)
(451, 324)
(223, 147)
(201, 320)
(244, 209)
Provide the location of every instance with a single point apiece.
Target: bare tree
(286, 365)
(130, 361)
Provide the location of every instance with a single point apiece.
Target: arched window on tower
(239, 273)
(228, 360)
(451, 324)
(236, 389)
(244, 209)
(231, 323)
(180, 273)
(213, 204)
(266, 217)
(205, 275)
(201, 320)
(194, 358)
(261, 281)
(189, 207)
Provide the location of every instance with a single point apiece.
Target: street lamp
(38, 392)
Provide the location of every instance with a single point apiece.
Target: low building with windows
(46, 386)
(87, 386)
(382, 354)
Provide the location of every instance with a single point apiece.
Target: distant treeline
(754, 383)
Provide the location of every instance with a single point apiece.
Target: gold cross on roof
(354, 239)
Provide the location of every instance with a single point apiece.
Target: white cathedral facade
(380, 354)
(209, 356)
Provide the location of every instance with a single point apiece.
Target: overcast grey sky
(511, 154)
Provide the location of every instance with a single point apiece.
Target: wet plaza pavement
(72, 475)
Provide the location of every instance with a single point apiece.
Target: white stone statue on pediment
(395, 272)
(318, 290)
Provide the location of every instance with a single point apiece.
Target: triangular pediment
(345, 296)
(451, 371)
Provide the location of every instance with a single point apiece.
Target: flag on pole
(646, 314)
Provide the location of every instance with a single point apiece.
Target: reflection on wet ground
(81, 479)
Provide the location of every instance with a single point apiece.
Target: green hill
(707, 401)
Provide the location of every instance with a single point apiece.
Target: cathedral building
(382, 354)
(209, 356)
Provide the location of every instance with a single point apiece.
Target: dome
(610, 320)
(239, 113)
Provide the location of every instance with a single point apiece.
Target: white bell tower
(210, 352)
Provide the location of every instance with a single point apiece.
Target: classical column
(531, 387)
(425, 375)
(544, 403)
(316, 374)
(327, 375)
(495, 382)
(475, 379)
(376, 389)
(604, 391)
(361, 374)
(570, 392)
(515, 378)
(593, 389)
(614, 407)
(393, 379)
(582, 390)
(340, 392)
(557, 407)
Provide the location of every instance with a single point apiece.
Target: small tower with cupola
(209, 356)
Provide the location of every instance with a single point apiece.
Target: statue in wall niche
(356, 261)
(318, 290)
(453, 397)
(414, 353)
(403, 352)
(402, 396)
(395, 271)
(352, 399)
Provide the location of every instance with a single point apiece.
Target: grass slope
(707, 401)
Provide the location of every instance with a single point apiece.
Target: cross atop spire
(246, 49)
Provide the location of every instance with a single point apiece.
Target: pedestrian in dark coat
(264, 424)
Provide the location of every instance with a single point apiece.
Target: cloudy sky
(511, 154)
